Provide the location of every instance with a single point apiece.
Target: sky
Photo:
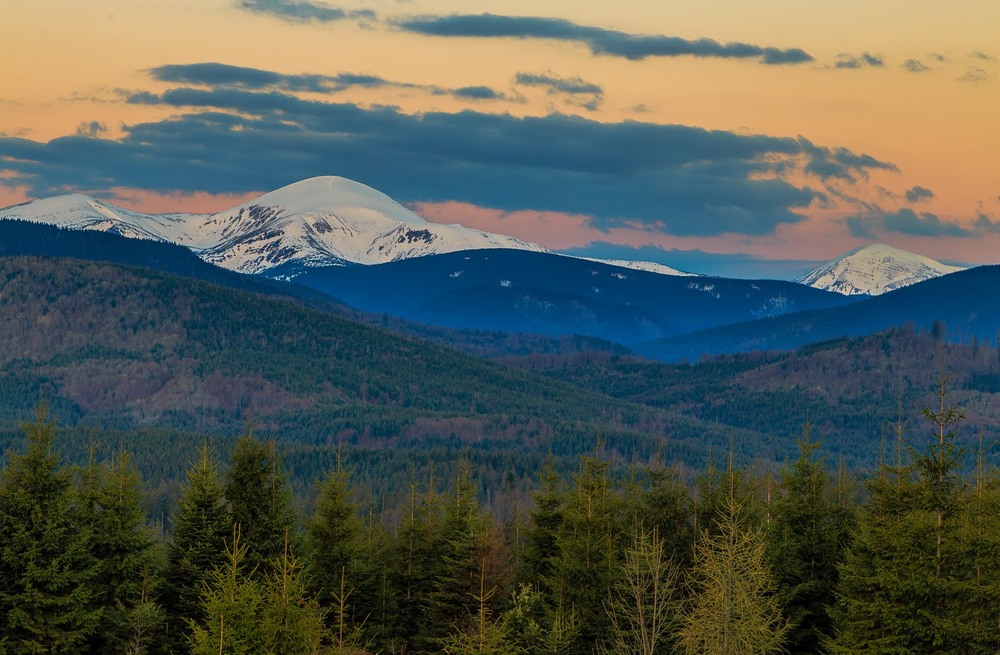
(745, 138)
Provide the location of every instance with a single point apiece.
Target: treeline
(742, 561)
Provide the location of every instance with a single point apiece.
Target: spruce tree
(908, 584)
(46, 567)
(200, 527)
(121, 544)
(232, 608)
(589, 553)
(332, 543)
(805, 541)
(292, 621)
(259, 498)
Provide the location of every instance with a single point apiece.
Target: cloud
(662, 178)
(982, 56)
(915, 66)
(91, 128)
(478, 93)
(842, 164)
(908, 222)
(599, 40)
(974, 74)
(218, 75)
(845, 60)
(574, 90)
(986, 224)
(918, 194)
(304, 12)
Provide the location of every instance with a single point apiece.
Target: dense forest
(808, 558)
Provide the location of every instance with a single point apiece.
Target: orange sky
(68, 65)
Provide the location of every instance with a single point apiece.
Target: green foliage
(197, 547)
(121, 545)
(233, 602)
(732, 609)
(807, 534)
(47, 572)
(260, 501)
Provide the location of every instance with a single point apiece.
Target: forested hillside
(744, 560)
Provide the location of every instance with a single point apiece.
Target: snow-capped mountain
(873, 270)
(649, 267)
(321, 221)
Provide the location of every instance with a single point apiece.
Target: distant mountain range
(343, 240)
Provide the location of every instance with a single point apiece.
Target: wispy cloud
(574, 90)
(915, 66)
(599, 40)
(982, 56)
(907, 222)
(974, 75)
(304, 12)
(865, 59)
(218, 75)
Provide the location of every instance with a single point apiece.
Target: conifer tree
(805, 540)
(331, 543)
(908, 582)
(643, 603)
(46, 567)
(541, 547)
(292, 621)
(122, 547)
(732, 609)
(259, 498)
(197, 547)
(589, 553)
(232, 607)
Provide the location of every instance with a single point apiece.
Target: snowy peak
(873, 270)
(321, 221)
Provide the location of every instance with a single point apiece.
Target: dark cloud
(840, 163)
(918, 194)
(915, 66)
(738, 265)
(304, 12)
(986, 224)
(678, 179)
(982, 56)
(478, 93)
(575, 90)
(974, 74)
(865, 59)
(600, 41)
(91, 128)
(939, 58)
(218, 75)
(908, 222)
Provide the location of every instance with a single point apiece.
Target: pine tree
(541, 547)
(122, 547)
(732, 609)
(805, 541)
(46, 568)
(232, 606)
(908, 582)
(197, 547)
(292, 621)
(259, 498)
(331, 545)
(589, 553)
(644, 600)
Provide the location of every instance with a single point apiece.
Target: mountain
(649, 267)
(316, 222)
(873, 270)
(959, 306)
(521, 291)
